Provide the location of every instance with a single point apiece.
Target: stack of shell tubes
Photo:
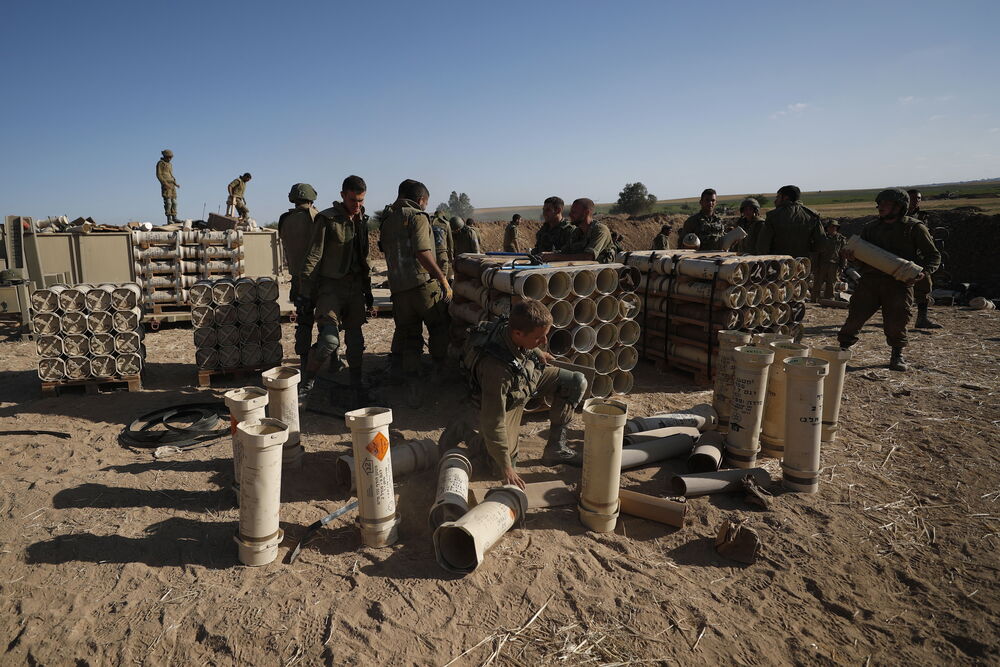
(168, 264)
(237, 323)
(88, 332)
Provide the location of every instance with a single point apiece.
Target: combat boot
(557, 452)
(924, 322)
(896, 361)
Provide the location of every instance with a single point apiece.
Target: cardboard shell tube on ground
(729, 340)
(452, 500)
(772, 424)
(803, 420)
(833, 388)
(722, 481)
(377, 516)
(702, 417)
(245, 404)
(661, 510)
(709, 449)
(260, 490)
(461, 545)
(604, 427)
(749, 386)
(658, 445)
(282, 383)
(407, 457)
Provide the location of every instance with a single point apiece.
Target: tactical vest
(484, 339)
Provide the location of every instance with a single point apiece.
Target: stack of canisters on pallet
(686, 297)
(168, 264)
(237, 323)
(88, 332)
(593, 310)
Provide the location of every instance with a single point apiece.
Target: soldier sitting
(506, 369)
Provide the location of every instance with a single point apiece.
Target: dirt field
(110, 557)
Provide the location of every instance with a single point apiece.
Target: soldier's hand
(546, 357)
(510, 476)
(448, 293)
(915, 280)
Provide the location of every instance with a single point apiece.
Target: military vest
(405, 230)
(485, 339)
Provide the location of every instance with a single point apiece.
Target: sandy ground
(110, 557)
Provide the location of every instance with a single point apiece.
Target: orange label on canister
(232, 425)
(379, 446)
(513, 514)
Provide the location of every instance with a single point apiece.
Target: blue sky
(509, 102)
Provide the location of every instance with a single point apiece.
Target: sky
(509, 102)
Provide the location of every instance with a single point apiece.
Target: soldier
(337, 276)
(791, 228)
(295, 228)
(466, 238)
(902, 236)
(751, 223)
(506, 370)
(471, 224)
(830, 261)
(922, 288)
(444, 244)
(511, 240)
(662, 240)
(617, 243)
(420, 291)
(705, 224)
(236, 201)
(555, 232)
(590, 241)
(168, 186)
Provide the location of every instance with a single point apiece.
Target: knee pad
(329, 341)
(572, 386)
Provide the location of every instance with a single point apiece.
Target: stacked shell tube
(592, 307)
(237, 324)
(687, 297)
(88, 332)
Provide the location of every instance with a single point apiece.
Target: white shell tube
(803, 419)
(283, 404)
(245, 404)
(260, 490)
(749, 386)
(628, 332)
(606, 281)
(452, 500)
(657, 445)
(562, 313)
(772, 425)
(702, 417)
(584, 311)
(584, 283)
(604, 427)
(407, 457)
(833, 388)
(725, 367)
(460, 546)
(878, 258)
(377, 516)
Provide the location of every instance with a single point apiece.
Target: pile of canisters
(168, 264)
(687, 296)
(88, 332)
(780, 399)
(237, 323)
(593, 310)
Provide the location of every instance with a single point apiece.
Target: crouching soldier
(506, 369)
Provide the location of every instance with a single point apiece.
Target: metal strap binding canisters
(260, 491)
(377, 516)
(604, 428)
(749, 385)
(803, 420)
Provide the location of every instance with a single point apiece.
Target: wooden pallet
(92, 386)
(206, 376)
(698, 375)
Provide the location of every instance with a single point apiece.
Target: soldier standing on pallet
(922, 288)
(555, 232)
(444, 244)
(751, 223)
(506, 370)
(465, 237)
(511, 240)
(590, 241)
(236, 203)
(705, 224)
(830, 262)
(902, 236)
(295, 228)
(662, 240)
(420, 290)
(337, 276)
(168, 186)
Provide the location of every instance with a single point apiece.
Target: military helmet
(749, 201)
(897, 195)
(691, 241)
(167, 153)
(832, 223)
(11, 275)
(302, 192)
(456, 223)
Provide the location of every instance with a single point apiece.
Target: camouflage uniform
(661, 242)
(337, 275)
(237, 192)
(511, 240)
(791, 229)
(922, 288)
(828, 265)
(444, 245)
(466, 240)
(417, 299)
(708, 228)
(553, 239)
(168, 188)
(503, 378)
(909, 239)
(596, 242)
(295, 228)
(749, 243)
